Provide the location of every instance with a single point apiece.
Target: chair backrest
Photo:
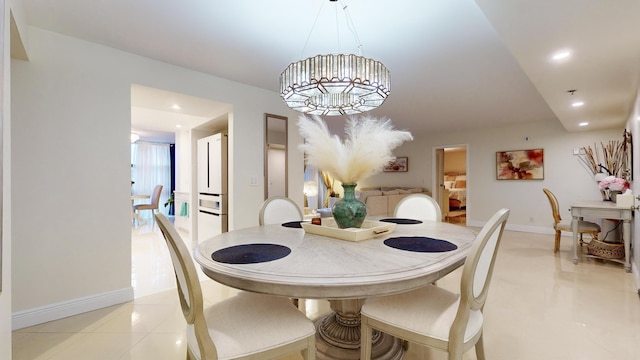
(555, 208)
(155, 196)
(476, 274)
(189, 290)
(278, 210)
(418, 207)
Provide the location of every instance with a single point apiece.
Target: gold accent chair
(435, 317)
(245, 326)
(584, 227)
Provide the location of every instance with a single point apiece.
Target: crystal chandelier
(336, 84)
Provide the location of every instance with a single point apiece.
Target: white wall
(563, 173)
(5, 244)
(455, 161)
(71, 150)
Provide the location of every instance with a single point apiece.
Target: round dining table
(284, 260)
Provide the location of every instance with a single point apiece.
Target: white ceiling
(455, 64)
(154, 118)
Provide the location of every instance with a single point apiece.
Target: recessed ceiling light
(178, 126)
(561, 55)
(176, 107)
(583, 124)
(577, 103)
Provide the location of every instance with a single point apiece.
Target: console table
(603, 210)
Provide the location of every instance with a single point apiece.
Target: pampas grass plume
(367, 148)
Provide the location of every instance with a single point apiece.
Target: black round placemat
(420, 244)
(402, 221)
(250, 253)
(293, 224)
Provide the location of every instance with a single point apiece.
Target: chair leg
(136, 217)
(311, 350)
(556, 247)
(480, 349)
(365, 341)
(455, 353)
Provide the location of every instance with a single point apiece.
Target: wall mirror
(275, 156)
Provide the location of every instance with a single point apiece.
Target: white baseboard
(521, 228)
(35, 316)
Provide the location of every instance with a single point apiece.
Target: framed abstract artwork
(520, 164)
(400, 164)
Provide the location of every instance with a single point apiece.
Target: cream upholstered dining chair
(278, 210)
(153, 205)
(435, 317)
(418, 207)
(584, 227)
(246, 326)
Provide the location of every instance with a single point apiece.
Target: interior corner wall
(71, 154)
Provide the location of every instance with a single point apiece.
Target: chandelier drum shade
(333, 85)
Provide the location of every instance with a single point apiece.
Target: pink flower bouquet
(614, 184)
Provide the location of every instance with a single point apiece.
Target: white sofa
(382, 201)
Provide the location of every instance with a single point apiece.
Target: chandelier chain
(311, 31)
(351, 27)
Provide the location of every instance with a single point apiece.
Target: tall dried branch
(611, 155)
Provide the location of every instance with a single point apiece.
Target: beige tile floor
(540, 306)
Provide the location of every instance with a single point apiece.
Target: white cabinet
(212, 164)
(212, 186)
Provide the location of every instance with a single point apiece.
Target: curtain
(151, 166)
(328, 187)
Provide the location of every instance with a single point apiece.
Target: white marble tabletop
(326, 268)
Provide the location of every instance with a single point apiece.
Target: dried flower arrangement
(365, 151)
(611, 157)
(611, 162)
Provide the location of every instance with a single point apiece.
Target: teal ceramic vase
(349, 212)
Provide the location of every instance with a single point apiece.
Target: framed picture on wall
(520, 164)
(400, 164)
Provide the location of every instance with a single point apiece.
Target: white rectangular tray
(369, 229)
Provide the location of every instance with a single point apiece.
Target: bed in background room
(457, 186)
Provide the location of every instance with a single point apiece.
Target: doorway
(163, 117)
(450, 169)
